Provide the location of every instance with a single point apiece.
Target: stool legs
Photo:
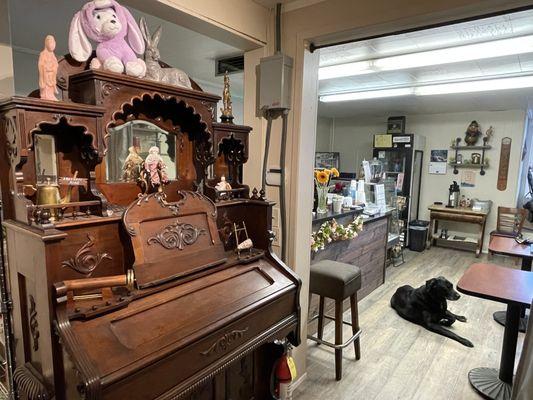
(321, 317)
(338, 339)
(355, 324)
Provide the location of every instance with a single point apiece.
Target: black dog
(426, 306)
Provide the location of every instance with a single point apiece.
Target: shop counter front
(368, 251)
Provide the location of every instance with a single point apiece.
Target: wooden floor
(400, 360)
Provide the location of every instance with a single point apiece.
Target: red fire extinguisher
(284, 372)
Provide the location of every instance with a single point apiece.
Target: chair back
(510, 220)
(523, 383)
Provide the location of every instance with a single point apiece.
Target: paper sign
(382, 141)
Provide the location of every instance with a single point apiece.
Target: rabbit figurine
(154, 71)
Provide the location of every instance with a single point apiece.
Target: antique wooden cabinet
(119, 294)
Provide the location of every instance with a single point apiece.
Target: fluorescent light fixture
(478, 51)
(485, 85)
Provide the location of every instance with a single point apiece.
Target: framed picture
(327, 159)
(396, 125)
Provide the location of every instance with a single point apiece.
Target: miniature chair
(337, 281)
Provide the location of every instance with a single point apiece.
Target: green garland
(331, 231)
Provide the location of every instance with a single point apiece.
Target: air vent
(230, 64)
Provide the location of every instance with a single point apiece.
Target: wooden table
(514, 288)
(458, 214)
(507, 246)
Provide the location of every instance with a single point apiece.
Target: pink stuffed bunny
(112, 27)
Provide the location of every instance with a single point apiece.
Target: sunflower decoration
(322, 177)
(335, 172)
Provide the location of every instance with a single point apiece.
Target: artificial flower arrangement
(331, 231)
(322, 179)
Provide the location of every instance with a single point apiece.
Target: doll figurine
(48, 70)
(472, 134)
(132, 166)
(155, 167)
(223, 184)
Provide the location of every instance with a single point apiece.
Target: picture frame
(396, 124)
(327, 159)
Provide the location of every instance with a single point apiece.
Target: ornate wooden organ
(123, 295)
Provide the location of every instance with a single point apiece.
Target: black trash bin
(418, 233)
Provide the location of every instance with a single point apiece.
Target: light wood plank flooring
(401, 360)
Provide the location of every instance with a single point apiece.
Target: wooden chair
(510, 221)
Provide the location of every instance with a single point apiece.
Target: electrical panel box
(275, 77)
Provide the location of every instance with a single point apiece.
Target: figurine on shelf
(132, 166)
(118, 36)
(227, 110)
(472, 134)
(48, 70)
(154, 71)
(154, 174)
(488, 135)
(223, 185)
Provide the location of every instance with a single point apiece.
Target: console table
(458, 214)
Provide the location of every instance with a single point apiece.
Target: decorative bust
(48, 70)
(472, 134)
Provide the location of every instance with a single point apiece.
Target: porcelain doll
(155, 167)
(48, 70)
(132, 166)
(223, 184)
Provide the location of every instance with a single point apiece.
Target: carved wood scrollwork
(34, 325)
(223, 343)
(10, 128)
(85, 262)
(210, 107)
(177, 236)
(108, 89)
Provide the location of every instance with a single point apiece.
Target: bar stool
(336, 281)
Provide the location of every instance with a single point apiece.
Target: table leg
(501, 316)
(494, 384)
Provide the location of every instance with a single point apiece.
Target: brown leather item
(200, 322)
(503, 169)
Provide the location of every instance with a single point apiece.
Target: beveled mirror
(128, 147)
(45, 158)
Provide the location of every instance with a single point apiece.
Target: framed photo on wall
(327, 159)
(396, 125)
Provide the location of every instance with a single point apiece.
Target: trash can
(418, 233)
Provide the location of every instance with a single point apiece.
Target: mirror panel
(45, 158)
(128, 147)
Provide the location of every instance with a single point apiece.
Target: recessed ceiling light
(485, 85)
(478, 51)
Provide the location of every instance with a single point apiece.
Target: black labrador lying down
(426, 306)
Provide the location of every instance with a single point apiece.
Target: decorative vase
(322, 197)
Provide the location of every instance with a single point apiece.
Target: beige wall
(7, 81)
(342, 19)
(352, 137)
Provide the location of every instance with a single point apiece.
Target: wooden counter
(367, 251)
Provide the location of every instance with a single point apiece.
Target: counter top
(320, 218)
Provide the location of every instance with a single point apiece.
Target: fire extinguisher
(283, 373)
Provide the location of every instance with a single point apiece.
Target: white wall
(352, 137)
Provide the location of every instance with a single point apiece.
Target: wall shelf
(482, 165)
(486, 147)
(470, 165)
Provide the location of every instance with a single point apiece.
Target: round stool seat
(334, 279)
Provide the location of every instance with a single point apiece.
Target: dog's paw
(460, 318)
(467, 343)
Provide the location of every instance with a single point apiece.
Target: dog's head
(442, 288)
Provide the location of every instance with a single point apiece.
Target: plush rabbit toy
(117, 34)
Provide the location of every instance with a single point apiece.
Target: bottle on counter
(353, 190)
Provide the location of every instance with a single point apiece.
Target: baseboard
(296, 383)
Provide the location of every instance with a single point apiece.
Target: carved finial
(227, 110)
(262, 194)
(254, 194)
